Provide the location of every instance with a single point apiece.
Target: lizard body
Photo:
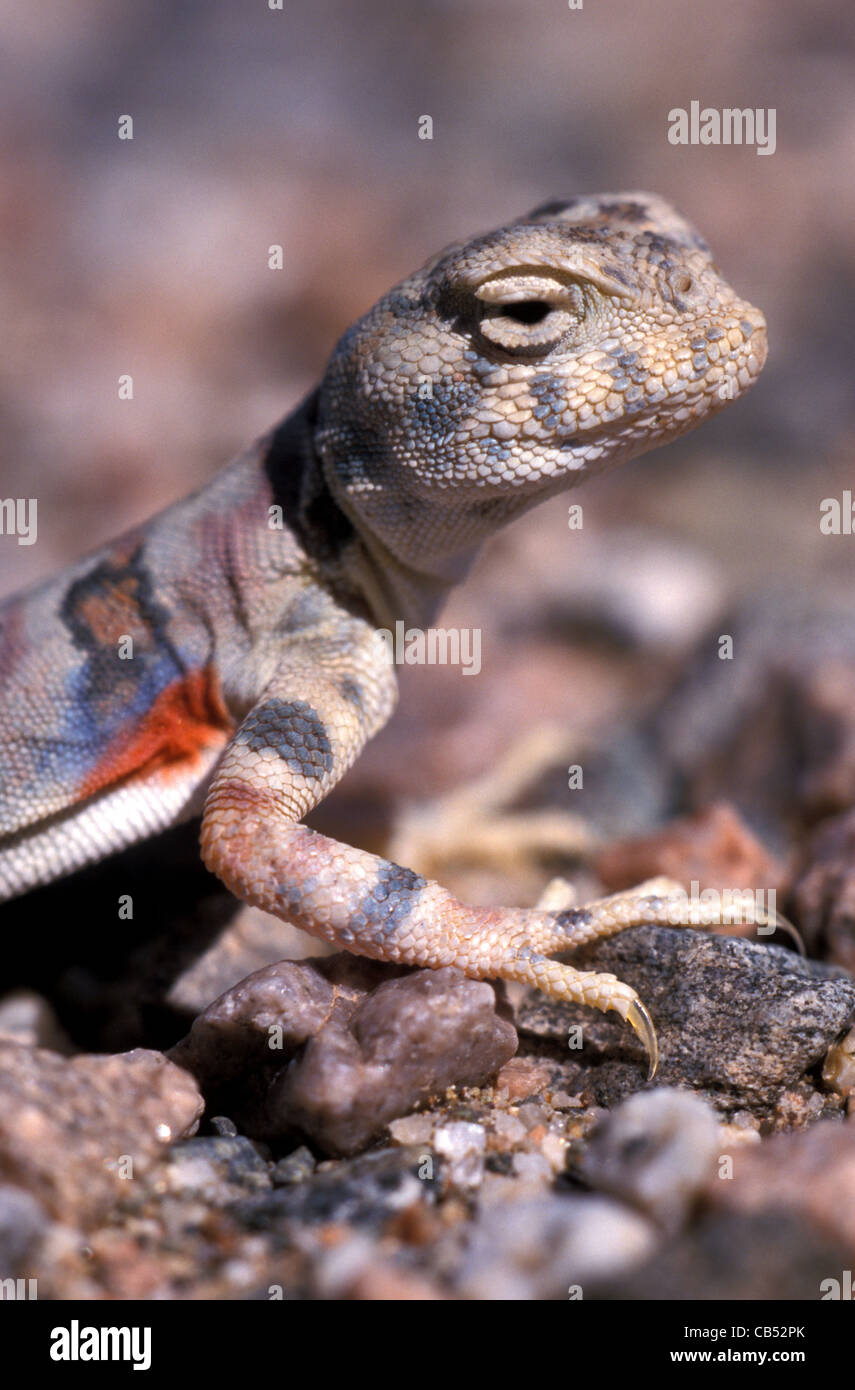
(504, 371)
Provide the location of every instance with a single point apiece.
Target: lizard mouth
(706, 371)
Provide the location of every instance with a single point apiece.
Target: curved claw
(639, 1019)
(784, 924)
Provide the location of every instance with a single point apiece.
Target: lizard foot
(557, 923)
(560, 895)
(564, 925)
(379, 909)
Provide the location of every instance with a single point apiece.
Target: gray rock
(222, 1125)
(218, 1169)
(774, 732)
(656, 1151)
(298, 1166)
(546, 1247)
(363, 1192)
(810, 1172)
(823, 895)
(22, 1224)
(768, 1255)
(743, 1024)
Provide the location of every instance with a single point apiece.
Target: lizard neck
(397, 590)
(350, 557)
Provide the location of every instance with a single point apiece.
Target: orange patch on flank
(188, 717)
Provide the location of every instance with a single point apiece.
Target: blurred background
(300, 127)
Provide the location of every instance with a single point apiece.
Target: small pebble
(412, 1129)
(532, 1167)
(296, 1167)
(656, 1151)
(540, 1248)
(462, 1147)
(554, 1150)
(838, 1070)
(562, 1101)
(735, 1136)
(23, 1222)
(508, 1127)
(533, 1115)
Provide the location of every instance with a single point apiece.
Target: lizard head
(514, 365)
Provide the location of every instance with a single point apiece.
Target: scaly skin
(506, 370)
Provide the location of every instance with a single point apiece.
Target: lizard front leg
(292, 747)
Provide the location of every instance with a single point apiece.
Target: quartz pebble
(541, 1248)
(656, 1151)
(462, 1146)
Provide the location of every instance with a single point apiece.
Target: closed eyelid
(515, 289)
(556, 272)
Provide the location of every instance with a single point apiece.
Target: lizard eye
(528, 311)
(527, 317)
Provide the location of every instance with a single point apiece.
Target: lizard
(223, 658)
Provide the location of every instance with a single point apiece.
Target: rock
(532, 1115)
(714, 848)
(246, 945)
(461, 1146)
(554, 1150)
(810, 1173)
(541, 1248)
(22, 1225)
(656, 1152)
(838, 1069)
(826, 714)
(774, 731)
(259, 1024)
(508, 1129)
(222, 1125)
(561, 1101)
(645, 589)
(25, 1017)
(408, 1040)
(745, 1025)
(823, 896)
(532, 1168)
(298, 1166)
(364, 1193)
(374, 1043)
(351, 1269)
(219, 1169)
(412, 1129)
(70, 1128)
(725, 1256)
(522, 1077)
